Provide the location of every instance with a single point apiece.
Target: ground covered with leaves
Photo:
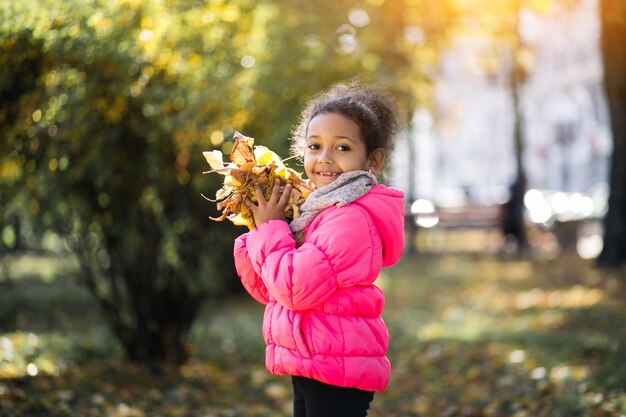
(471, 336)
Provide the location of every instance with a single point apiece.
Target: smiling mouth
(328, 174)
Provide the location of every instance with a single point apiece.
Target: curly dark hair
(368, 105)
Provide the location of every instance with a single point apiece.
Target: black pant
(312, 398)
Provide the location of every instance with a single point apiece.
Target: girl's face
(334, 146)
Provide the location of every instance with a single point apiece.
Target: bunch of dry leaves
(251, 165)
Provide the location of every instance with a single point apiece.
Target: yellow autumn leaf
(264, 156)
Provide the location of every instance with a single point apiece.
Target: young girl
(322, 322)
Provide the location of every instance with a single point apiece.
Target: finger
(259, 194)
(253, 207)
(275, 191)
(284, 198)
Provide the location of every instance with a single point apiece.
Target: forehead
(333, 124)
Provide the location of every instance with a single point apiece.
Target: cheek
(308, 164)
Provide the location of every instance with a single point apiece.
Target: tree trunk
(613, 17)
(410, 226)
(148, 306)
(514, 216)
(162, 322)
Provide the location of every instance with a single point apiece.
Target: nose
(325, 157)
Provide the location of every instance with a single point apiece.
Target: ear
(376, 160)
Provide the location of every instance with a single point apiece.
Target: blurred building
(462, 151)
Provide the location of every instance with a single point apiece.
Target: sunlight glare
(560, 203)
(146, 35)
(538, 208)
(576, 296)
(539, 373)
(589, 247)
(31, 369)
(424, 214)
(7, 352)
(359, 18)
(415, 35)
(571, 372)
(517, 356)
(247, 61)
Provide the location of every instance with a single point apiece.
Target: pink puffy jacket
(322, 316)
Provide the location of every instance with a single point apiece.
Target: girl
(322, 322)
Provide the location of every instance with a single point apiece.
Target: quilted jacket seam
(369, 221)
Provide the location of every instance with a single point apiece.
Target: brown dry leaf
(241, 154)
(251, 165)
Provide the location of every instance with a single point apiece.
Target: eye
(343, 148)
(313, 146)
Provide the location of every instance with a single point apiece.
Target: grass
(470, 336)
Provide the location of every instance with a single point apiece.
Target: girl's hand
(271, 209)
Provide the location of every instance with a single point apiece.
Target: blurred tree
(22, 61)
(499, 22)
(613, 18)
(310, 45)
(107, 109)
(513, 221)
(407, 37)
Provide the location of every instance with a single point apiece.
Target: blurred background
(510, 153)
(464, 163)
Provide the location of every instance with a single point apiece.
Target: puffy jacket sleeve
(338, 253)
(251, 281)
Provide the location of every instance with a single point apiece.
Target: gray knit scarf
(345, 189)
